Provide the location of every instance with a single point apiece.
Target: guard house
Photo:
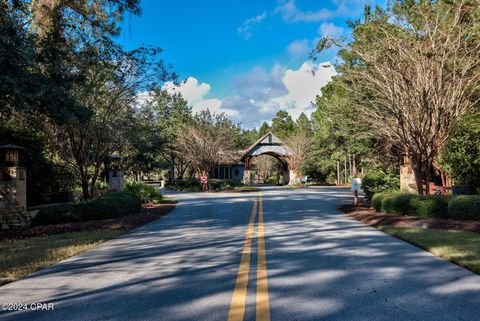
(268, 144)
(232, 172)
(239, 171)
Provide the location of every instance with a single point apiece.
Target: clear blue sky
(226, 43)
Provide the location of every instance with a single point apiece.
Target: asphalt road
(213, 258)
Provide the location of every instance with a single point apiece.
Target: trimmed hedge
(195, 185)
(455, 207)
(108, 206)
(185, 185)
(146, 193)
(222, 184)
(429, 206)
(465, 207)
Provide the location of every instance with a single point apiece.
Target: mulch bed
(367, 215)
(149, 212)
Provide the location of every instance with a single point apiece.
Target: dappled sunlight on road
(320, 264)
(361, 272)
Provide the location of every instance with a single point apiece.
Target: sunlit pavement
(320, 265)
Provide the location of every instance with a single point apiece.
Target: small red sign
(203, 179)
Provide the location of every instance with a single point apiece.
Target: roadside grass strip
(239, 297)
(19, 258)
(461, 248)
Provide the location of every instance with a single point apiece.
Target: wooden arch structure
(268, 144)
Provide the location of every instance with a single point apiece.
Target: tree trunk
(346, 171)
(93, 187)
(350, 165)
(84, 179)
(172, 168)
(354, 166)
(338, 172)
(418, 170)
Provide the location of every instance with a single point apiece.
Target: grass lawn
(462, 248)
(246, 189)
(19, 258)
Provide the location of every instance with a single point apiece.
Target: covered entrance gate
(271, 145)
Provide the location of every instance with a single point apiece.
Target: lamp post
(115, 173)
(14, 176)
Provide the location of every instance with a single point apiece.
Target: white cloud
(291, 13)
(142, 98)
(195, 94)
(214, 105)
(298, 48)
(328, 29)
(246, 28)
(303, 86)
(344, 8)
(190, 89)
(259, 93)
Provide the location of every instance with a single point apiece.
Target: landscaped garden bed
(24, 251)
(460, 207)
(457, 241)
(148, 213)
(367, 215)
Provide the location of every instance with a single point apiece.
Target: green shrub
(195, 185)
(410, 204)
(464, 207)
(378, 181)
(185, 185)
(55, 215)
(377, 200)
(220, 184)
(108, 206)
(146, 193)
(397, 203)
(429, 206)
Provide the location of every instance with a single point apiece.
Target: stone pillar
(408, 182)
(292, 177)
(115, 174)
(115, 179)
(13, 188)
(246, 172)
(14, 182)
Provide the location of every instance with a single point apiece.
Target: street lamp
(11, 154)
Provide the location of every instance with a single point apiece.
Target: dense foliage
(408, 82)
(408, 74)
(463, 207)
(111, 205)
(378, 181)
(461, 155)
(146, 193)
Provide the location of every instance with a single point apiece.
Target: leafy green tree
(282, 124)
(160, 121)
(245, 138)
(415, 74)
(28, 84)
(208, 141)
(46, 176)
(304, 124)
(265, 128)
(461, 155)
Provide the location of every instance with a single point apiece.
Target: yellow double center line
(237, 306)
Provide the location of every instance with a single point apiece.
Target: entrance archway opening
(269, 145)
(269, 169)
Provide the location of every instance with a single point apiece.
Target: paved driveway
(204, 261)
